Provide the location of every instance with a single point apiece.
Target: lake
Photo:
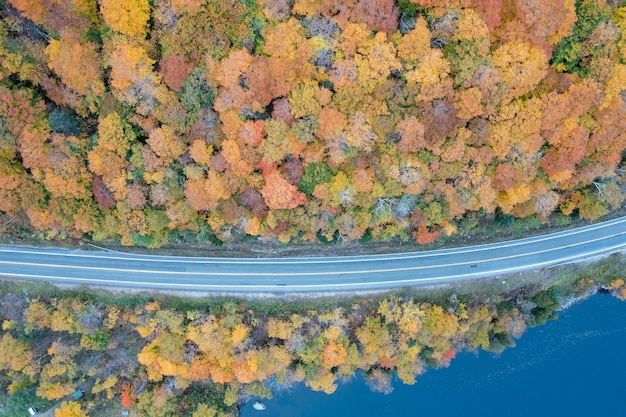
(573, 366)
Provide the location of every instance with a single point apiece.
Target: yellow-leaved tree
(14, 354)
(129, 17)
(523, 66)
(70, 409)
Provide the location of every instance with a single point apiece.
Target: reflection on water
(573, 366)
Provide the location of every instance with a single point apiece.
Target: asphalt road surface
(312, 274)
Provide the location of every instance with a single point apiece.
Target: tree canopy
(144, 121)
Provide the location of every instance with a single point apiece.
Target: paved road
(280, 275)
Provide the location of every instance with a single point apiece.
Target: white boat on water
(258, 405)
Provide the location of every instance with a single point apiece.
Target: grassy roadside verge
(475, 230)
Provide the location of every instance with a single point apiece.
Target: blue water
(573, 366)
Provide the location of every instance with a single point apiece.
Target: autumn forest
(308, 120)
(147, 122)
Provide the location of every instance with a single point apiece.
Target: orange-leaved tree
(78, 64)
(278, 192)
(127, 397)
